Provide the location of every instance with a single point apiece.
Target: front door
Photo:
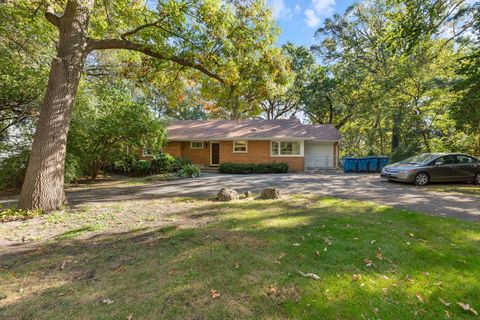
(214, 154)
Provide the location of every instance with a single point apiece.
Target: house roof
(255, 129)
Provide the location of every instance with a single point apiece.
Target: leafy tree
(228, 42)
(106, 122)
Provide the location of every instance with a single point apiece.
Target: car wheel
(477, 178)
(422, 179)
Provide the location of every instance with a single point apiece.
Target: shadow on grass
(251, 254)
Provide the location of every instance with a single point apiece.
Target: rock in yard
(226, 194)
(270, 193)
(248, 194)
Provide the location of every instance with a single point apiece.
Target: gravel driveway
(349, 186)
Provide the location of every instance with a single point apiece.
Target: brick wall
(258, 152)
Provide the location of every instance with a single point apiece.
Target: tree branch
(106, 44)
(52, 17)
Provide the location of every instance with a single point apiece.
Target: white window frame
(146, 154)
(301, 154)
(246, 146)
(196, 148)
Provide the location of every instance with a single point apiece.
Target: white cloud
(318, 9)
(311, 18)
(323, 8)
(280, 9)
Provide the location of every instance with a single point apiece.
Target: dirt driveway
(350, 186)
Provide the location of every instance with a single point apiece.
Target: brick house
(209, 143)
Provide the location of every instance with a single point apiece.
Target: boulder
(226, 194)
(270, 193)
(248, 194)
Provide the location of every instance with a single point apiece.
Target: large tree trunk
(43, 187)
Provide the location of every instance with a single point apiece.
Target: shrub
(123, 166)
(13, 169)
(142, 167)
(162, 163)
(179, 163)
(189, 170)
(248, 168)
(73, 168)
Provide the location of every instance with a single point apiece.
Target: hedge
(248, 168)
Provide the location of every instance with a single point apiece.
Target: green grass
(251, 253)
(13, 214)
(468, 190)
(70, 234)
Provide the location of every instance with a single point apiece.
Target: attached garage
(320, 155)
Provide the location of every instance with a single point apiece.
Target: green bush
(162, 163)
(73, 168)
(179, 163)
(142, 167)
(248, 168)
(124, 165)
(189, 170)
(13, 169)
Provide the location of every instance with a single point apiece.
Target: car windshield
(418, 159)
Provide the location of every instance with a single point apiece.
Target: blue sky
(299, 19)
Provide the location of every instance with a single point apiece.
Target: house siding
(258, 152)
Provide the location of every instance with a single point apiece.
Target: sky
(299, 19)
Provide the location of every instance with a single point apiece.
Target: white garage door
(319, 155)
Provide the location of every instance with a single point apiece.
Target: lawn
(297, 258)
(463, 189)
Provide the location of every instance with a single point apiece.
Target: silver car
(434, 167)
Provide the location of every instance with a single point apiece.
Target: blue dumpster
(373, 164)
(349, 164)
(382, 162)
(362, 165)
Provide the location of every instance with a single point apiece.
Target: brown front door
(215, 154)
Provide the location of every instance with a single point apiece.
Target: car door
(443, 169)
(467, 167)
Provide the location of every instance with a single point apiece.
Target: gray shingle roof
(255, 129)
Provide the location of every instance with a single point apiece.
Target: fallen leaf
(356, 277)
(130, 317)
(272, 291)
(296, 244)
(325, 249)
(62, 266)
(373, 241)
(281, 256)
(411, 235)
(420, 297)
(237, 266)
(367, 262)
(107, 301)
(379, 255)
(317, 252)
(309, 275)
(445, 303)
(384, 277)
(467, 307)
(447, 314)
(384, 291)
(214, 294)
(408, 243)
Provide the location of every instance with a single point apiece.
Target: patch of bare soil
(87, 220)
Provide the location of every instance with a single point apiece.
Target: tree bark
(43, 187)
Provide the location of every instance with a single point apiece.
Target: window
(286, 148)
(445, 160)
(240, 146)
(465, 159)
(196, 145)
(146, 152)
